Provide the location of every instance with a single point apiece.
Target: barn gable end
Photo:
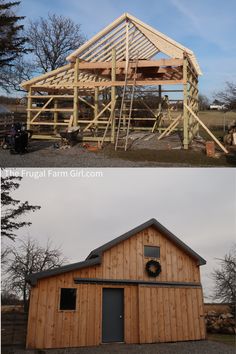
(174, 295)
(123, 257)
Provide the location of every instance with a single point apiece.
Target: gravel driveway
(199, 347)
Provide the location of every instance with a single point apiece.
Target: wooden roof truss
(121, 55)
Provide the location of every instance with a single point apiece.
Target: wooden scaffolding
(98, 89)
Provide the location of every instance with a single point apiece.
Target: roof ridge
(151, 222)
(160, 41)
(95, 256)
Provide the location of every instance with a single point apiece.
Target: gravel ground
(200, 347)
(42, 154)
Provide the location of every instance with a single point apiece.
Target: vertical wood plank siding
(152, 314)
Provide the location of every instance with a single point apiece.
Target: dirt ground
(199, 347)
(43, 154)
(145, 151)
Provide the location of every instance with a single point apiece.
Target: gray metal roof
(154, 223)
(32, 279)
(95, 257)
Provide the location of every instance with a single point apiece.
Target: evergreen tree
(12, 42)
(12, 209)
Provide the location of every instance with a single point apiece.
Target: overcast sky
(79, 214)
(205, 26)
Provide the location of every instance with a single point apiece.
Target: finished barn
(141, 287)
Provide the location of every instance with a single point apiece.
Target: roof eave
(154, 223)
(33, 278)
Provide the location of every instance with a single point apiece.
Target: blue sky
(205, 26)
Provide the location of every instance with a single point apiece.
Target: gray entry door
(112, 315)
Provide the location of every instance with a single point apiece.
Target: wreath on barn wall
(153, 268)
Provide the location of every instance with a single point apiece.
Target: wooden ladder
(122, 112)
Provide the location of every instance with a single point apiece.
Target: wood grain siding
(151, 313)
(53, 328)
(169, 314)
(129, 261)
(58, 329)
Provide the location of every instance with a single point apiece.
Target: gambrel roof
(95, 257)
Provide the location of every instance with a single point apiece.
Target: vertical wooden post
(55, 116)
(76, 93)
(185, 99)
(113, 96)
(197, 108)
(159, 105)
(127, 47)
(159, 98)
(29, 106)
(96, 91)
(96, 95)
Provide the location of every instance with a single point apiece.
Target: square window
(152, 251)
(68, 299)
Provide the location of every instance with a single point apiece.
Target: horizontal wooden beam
(53, 96)
(136, 282)
(129, 83)
(48, 123)
(56, 137)
(45, 137)
(50, 109)
(141, 64)
(92, 84)
(154, 71)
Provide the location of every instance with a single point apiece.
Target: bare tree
(228, 95)
(12, 76)
(52, 39)
(27, 258)
(203, 102)
(225, 279)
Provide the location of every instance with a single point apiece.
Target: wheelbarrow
(70, 136)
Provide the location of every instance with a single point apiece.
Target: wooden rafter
(159, 40)
(124, 49)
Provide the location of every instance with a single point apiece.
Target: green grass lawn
(223, 338)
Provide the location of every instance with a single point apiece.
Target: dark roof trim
(33, 278)
(134, 282)
(154, 223)
(95, 257)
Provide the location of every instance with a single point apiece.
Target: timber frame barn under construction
(142, 287)
(97, 91)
